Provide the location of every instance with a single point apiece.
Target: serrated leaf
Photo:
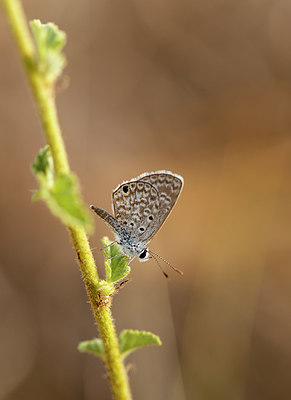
(116, 267)
(130, 340)
(94, 346)
(49, 41)
(65, 202)
(61, 192)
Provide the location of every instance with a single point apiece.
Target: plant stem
(101, 308)
(43, 94)
(45, 101)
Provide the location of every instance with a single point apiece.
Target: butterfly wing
(169, 186)
(136, 207)
(145, 202)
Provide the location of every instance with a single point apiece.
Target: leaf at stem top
(49, 41)
(115, 261)
(60, 192)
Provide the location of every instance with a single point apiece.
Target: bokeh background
(201, 88)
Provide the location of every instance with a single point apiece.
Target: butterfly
(140, 207)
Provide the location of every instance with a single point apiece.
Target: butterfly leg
(131, 259)
(117, 255)
(115, 241)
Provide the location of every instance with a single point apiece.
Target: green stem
(101, 308)
(43, 94)
(113, 359)
(44, 98)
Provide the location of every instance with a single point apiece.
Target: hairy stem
(45, 101)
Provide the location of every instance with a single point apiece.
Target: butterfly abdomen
(122, 235)
(108, 218)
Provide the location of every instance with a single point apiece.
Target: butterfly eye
(124, 222)
(125, 189)
(151, 217)
(143, 254)
(141, 229)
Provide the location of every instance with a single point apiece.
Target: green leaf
(64, 201)
(43, 162)
(116, 268)
(130, 340)
(94, 346)
(49, 41)
(43, 168)
(61, 192)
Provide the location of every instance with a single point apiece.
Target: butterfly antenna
(161, 268)
(165, 261)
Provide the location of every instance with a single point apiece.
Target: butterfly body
(140, 207)
(126, 239)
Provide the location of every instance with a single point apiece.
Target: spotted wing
(136, 207)
(169, 186)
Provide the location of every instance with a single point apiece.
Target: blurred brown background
(201, 88)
